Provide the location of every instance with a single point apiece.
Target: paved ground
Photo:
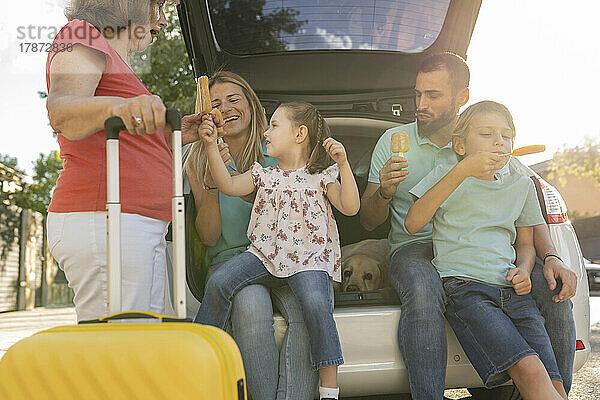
(15, 326)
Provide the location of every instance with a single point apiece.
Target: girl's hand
(482, 164)
(336, 150)
(208, 130)
(190, 127)
(519, 280)
(225, 156)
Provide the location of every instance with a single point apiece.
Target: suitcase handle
(134, 315)
(114, 125)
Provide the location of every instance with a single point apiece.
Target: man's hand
(520, 280)
(391, 174)
(555, 268)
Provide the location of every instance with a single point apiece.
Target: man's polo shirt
(422, 157)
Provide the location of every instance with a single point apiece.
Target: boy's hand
(208, 130)
(483, 164)
(336, 150)
(520, 280)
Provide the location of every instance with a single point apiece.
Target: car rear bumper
(373, 363)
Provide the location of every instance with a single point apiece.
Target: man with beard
(441, 88)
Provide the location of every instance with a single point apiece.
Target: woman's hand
(141, 115)
(336, 150)
(482, 164)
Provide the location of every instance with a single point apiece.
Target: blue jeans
(312, 289)
(497, 328)
(423, 302)
(252, 328)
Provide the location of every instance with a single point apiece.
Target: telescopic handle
(114, 125)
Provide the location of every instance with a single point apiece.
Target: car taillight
(579, 345)
(556, 209)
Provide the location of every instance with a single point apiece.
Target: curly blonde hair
(252, 150)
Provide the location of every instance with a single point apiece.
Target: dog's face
(361, 273)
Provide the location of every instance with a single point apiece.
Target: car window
(250, 26)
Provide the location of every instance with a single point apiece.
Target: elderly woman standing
(89, 79)
(221, 223)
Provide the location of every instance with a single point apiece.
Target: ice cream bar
(532, 149)
(217, 113)
(202, 96)
(399, 142)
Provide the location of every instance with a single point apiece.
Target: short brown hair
(453, 63)
(114, 14)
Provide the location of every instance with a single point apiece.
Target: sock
(328, 393)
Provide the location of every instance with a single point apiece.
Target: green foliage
(165, 68)
(36, 195)
(583, 161)
(9, 214)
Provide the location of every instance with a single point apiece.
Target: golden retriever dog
(364, 266)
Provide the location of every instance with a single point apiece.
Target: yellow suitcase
(124, 361)
(99, 360)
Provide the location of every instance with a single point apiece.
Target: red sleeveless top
(145, 161)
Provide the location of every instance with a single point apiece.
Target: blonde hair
(113, 14)
(252, 150)
(306, 114)
(482, 107)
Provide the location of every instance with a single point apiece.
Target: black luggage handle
(114, 125)
(134, 315)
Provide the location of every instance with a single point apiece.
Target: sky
(538, 57)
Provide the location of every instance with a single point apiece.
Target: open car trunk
(355, 60)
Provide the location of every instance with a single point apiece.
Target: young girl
(292, 232)
(481, 210)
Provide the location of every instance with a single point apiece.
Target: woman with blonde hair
(89, 79)
(221, 223)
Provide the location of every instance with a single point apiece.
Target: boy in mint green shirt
(480, 211)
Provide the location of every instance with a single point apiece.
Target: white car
(356, 60)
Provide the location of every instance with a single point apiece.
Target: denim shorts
(497, 328)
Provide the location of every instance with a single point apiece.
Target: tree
(9, 215)
(581, 161)
(165, 68)
(36, 196)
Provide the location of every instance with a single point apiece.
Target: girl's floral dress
(292, 228)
